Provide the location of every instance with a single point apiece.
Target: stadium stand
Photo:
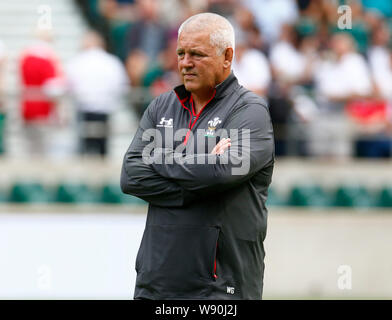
(305, 36)
(385, 197)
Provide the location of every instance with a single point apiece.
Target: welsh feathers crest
(212, 126)
(215, 122)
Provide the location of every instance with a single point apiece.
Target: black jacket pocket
(177, 259)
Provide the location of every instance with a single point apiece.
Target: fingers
(222, 146)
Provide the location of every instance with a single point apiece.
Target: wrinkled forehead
(193, 39)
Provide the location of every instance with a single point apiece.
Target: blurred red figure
(38, 67)
(40, 80)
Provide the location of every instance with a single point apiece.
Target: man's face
(200, 68)
(340, 44)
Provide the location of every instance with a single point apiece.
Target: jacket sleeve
(139, 179)
(252, 148)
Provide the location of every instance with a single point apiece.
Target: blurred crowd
(329, 86)
(324, 66)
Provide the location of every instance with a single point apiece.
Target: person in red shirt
(40, 79)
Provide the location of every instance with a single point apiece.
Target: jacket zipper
(193, 117)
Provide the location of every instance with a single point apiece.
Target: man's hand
(222, 145)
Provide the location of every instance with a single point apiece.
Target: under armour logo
(166, 123)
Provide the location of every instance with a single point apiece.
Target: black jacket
(206, 223)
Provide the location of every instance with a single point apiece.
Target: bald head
(220, 29)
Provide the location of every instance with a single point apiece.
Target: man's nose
(186, 62)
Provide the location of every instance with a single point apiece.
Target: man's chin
(190, 86)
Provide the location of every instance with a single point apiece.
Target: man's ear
(228, 58)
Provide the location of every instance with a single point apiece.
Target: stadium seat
(112, 193)
(76, 193)
(353, 196)
(385, 197)
(29, 192)
(274, 199)
(3, 196)
(309, 195)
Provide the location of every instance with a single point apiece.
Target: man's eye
(180, 54)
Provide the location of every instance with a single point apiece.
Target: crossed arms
(178, 183)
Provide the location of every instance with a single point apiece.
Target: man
(207, 218)
(97, 81)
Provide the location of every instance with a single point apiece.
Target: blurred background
(75, 78)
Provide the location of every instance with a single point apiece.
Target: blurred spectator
(95, 14)
(374, 136)
(271, 15)
(288, 63)
(2, 107)
(136, 66)
(41, 80)
(292, 62)
(147, 34)
(246, 61)
(311, 16)
(222, 7)
(117, 19)
(360, 29)
(118, 9)
(2, 66)
(146, 39)
(173, 12)
(125, 2)
(342, 77)
(163, 76)
(96, 80)
(155, 77)
(379, 55)
(244, 23)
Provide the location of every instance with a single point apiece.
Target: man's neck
(200, 100)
